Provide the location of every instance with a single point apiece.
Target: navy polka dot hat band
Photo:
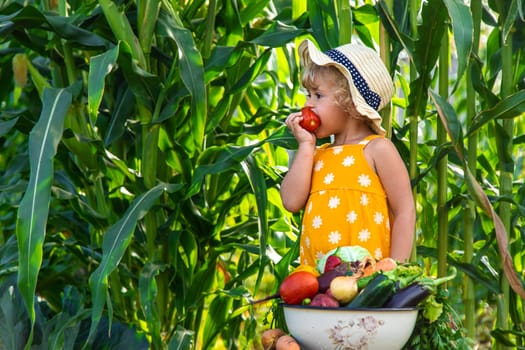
(369, 81)
(370, 97)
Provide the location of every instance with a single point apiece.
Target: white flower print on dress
(338, 150)
(309, 209)
(351, 217)
(307, 242)
(334, 237)
(329, 178)
(333, 202)
(317, 222)
(364, 199)
(318, 165)
(319, 255)
(378, 217)
(364, 180)
(348, 161)
(378, 254)
(364, 235)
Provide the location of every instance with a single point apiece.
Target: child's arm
(295, 186)
(396, 182)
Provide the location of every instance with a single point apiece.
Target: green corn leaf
(510, 17)
(512, 106)
(122, 29)
(29, 17)
(122, 109)
(182, 339)
(145, 86)
(215, 160)
(452, 124)
(219, 308)
(396, 23)
(481, 198)
(278, 35)
(115, 243)
(462, 27)
(34, 207)
(324, 21)
(253, 72)
(99, 67)
(40, 81)
(13, 318)
(426, 52)
(191, 68)
(258, 185)
(74, 34)
(148, 294)
(218, 159)
(7, 125)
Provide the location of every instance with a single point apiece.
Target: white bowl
(317, 328)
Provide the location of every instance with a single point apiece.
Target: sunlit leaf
(122, 29)
(511, 107)
(99, 66)
(279, 34)
(34, 207)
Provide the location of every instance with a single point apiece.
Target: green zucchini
(362, 282)
(376, 293)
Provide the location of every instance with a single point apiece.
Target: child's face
(322, 99)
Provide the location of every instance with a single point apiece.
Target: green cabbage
(346, 253)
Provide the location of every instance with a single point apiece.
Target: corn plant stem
(413, 169)
(208, 35)
(505, 174)
(442, 164)
(148, 11)
(344, 11)
(469, 298)
(147, 19)
(384, 45)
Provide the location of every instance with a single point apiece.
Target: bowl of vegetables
(352, 301)
(315, 327)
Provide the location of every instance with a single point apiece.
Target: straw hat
(370, 83)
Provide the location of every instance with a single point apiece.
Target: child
(356, 190)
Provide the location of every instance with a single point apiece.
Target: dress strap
(369, 138)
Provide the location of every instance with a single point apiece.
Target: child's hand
(302, 135)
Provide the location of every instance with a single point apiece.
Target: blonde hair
(343, 97)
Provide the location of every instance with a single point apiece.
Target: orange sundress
(347, 204)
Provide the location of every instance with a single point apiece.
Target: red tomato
(298, 286)
(310, 120)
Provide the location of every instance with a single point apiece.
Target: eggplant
(416, 292)
(409, 296)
